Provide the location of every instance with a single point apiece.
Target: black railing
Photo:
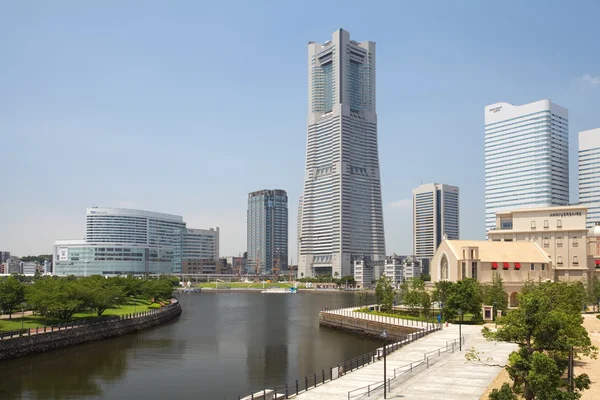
(311, 381)
(5, 335)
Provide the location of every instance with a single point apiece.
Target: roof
(556, 208)
(490, 251)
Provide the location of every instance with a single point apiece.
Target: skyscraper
(589, 174)
(342, 218)
(435, 214)
(299, 228)
(526, 157)
(267, 234)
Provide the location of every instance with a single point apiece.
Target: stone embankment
(40, 341)
(371, 325)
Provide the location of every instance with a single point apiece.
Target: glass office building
(526, 157)
(342, 217)
(124, 241)
(589, 174)
(267, 227)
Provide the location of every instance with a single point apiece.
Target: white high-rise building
(526, 157)
(589, 174)
(435, 215)
(299, 228)
(342, 218)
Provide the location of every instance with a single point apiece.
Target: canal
(222, 346)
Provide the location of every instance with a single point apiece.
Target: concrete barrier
(25, 345)
(365, 327)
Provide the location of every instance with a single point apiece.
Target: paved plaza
(449, 376)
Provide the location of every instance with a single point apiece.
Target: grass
(33, 321)
(246, 285)
(468, 318)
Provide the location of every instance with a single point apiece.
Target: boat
(280, 290)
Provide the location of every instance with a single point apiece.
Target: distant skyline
(184, 108)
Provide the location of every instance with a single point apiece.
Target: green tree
(547, 324)
(426, 277)
(157, 289)
(494, 293)
(384, 293)
(465, 295)
(348, 278)
(595, 292)
(57, 298)
(102, 293)
(505, 393)
(361, 298)
(12, 294)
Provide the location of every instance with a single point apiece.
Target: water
(222, 346)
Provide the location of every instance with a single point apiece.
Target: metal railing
(355, 313)
(80, 323)
(400, 373)
(311, 381)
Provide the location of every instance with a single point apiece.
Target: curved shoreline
(25, 345)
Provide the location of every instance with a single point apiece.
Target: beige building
(560, 231)
(514, 261)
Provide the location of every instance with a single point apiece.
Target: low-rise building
(560, 231)
(4, 256)
(400, 268)
(30, 267)
(191, 266)
(367, 272)
(515, 262)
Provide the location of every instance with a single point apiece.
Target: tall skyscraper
(299, 229)
(589, 174)
(267, 234)
(342, 218)
(435, 215)
(526, 157)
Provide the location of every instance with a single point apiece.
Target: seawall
(37, 343)
(366, 327)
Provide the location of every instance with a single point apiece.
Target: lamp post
(22, 317)
(384, 337)
(460, 313)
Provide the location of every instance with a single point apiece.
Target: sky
(184, 107)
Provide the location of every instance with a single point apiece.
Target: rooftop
(501, 251)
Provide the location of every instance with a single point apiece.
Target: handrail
(409, 368)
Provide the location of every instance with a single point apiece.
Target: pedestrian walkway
(588, 365)
(351, 312)
(449, 373)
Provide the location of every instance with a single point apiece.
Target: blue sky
(185, 107)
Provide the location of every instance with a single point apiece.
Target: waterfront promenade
(449, 375)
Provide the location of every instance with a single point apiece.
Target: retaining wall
(25, 345)
(365, 327)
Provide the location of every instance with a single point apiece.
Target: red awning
(506, 265)
(494, 265)
(517, 265)
(597, 262)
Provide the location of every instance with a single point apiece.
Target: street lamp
(22, 317)
(460, 312)
(384, 337)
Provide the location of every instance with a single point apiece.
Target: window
(575, 260)
(543, 267)
(559, 260)
(575, 242)
(464, 270)
(444, 267)
(559, 223)
(559, 241)
(532, 224)
(508, 240)
(472, 254)
(546, 242)
(474, 270)
(546, 224)
(532, 266)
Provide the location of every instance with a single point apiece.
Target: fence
(308, 382)
(401, 373)
(352, 312)
(79, 323)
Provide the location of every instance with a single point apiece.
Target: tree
(348, 279)
(595, 292)
(361, 298)
(494, 294)
(102, 293)
(505, 393)
(426, 277)
(441, 292)
(384, 292)
(57, 298)
(12, 295)
(546, 326)
(465, 296)
(157, 289)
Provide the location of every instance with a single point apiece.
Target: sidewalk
(16, 314)
(588, 365)
(450, 374)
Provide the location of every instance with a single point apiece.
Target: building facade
(132, 242)
(526, 157)
(401, 268)
(589, 174)
(299, 228)
(515, 262)
(435, 216)
(267, 227)
(560, 231)
(342, 217)
(4, 256)
(366, 273)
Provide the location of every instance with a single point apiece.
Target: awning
(517, 265)
(494, 265)
(506, 265)
(597, 262)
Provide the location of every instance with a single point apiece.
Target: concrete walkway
(449, 376)
(588, 365)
